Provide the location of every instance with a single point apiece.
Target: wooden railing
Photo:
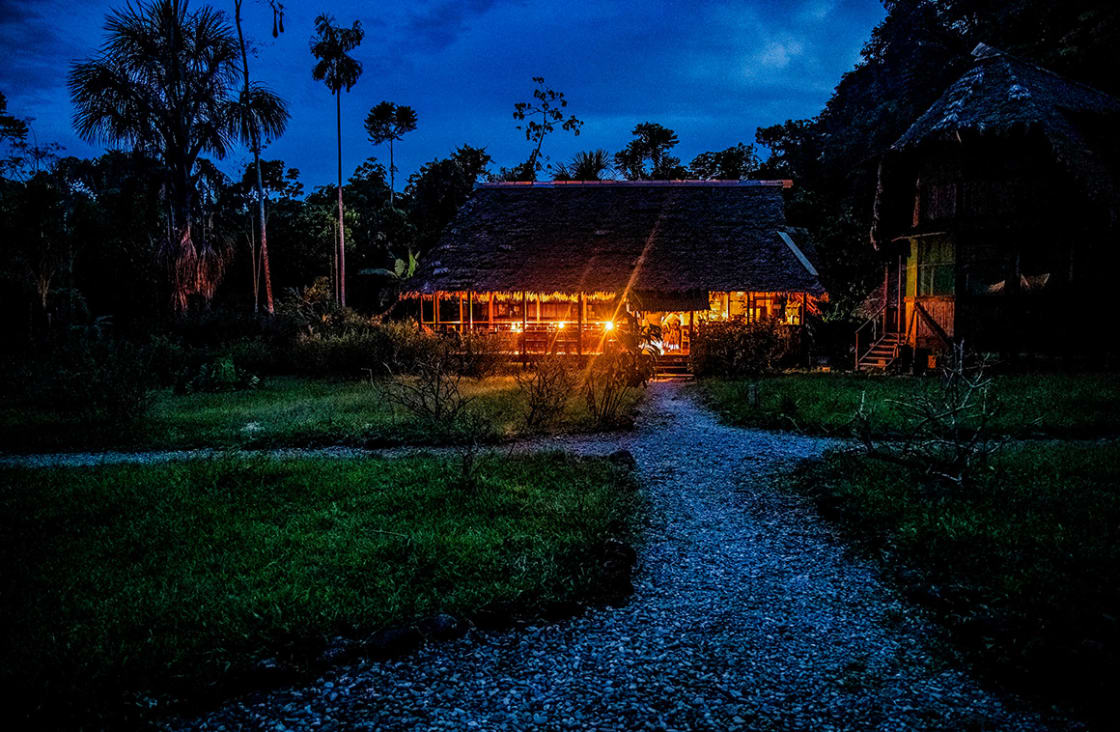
(884, 321)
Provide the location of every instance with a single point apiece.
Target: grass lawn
(281, 412)
(158, 580)
(1065, 405)
(1023, 567)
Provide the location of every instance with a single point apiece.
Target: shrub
(546, 385)
(610, 379)
(219, 375)
(740, 349)
(480, 354)
(432, 395)
(100, 380)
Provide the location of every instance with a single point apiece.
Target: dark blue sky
(712, 71)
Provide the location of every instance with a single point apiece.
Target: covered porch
(584, 323)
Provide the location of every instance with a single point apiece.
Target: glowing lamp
(561, 325)
(608, 325)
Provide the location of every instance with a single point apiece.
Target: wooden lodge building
(557, 265)
(998, 210)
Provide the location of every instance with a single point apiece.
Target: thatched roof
(610, 237)
(1003, 95)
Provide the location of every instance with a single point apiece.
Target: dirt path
(747, 615)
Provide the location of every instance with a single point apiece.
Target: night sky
(712, 71)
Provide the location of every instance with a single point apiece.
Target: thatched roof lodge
(559, 256)
(1000, 207)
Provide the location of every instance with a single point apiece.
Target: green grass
(127, 580)
(282, 412)
(1024, 566)
(1064, 405)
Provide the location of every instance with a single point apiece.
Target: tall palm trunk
(341, 226)
(255, 144)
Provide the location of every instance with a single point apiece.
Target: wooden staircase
(882, 353)
(673, 366)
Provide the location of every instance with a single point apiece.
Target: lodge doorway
(676, 331)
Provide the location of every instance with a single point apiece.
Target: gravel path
(747, 615)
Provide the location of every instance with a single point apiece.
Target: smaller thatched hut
(556, 264)
(999, 208)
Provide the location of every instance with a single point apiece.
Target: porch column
(524, 322)
(470, 309)
(490, 312)
(460, 312)
(579, 328)
(435, 309)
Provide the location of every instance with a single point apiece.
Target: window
(936, 271)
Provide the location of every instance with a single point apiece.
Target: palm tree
(590, 165)
(161, 83)
(337, 70)
(388, 122)
(250, 133)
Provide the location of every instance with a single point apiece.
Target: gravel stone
(748, 613)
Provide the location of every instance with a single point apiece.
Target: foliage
(740, 349)
(331, 47)
(1022, 568)
(735, 163)
(609, 380)
(546, 385)
(586, 165)
(1076, 405)
(122, 97)
(540, 116)
(440, 187)
(389, 122)
(647, 156)
(217, 565)
(100, 380)
(219, 375)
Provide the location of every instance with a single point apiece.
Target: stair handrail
(875, 335)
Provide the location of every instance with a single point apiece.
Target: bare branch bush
(472, 431)
(546, 385)
(948, 430)
(432, 393)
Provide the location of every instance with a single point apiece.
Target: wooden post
(691, 313)
(470, 309)
(538, 308)
(435, 309)
(460, 312)
(579, 342)
(524, 323)
(490, 312)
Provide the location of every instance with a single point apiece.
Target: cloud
(438, 26)
(779, 54)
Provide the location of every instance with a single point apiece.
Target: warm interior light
(608, 325)
(561, 325)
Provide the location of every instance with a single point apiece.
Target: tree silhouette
(388, 122)
(586, 165)
(652, 144)
(541, 116)
(250, 132)
(338, 70)
(162, 82)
